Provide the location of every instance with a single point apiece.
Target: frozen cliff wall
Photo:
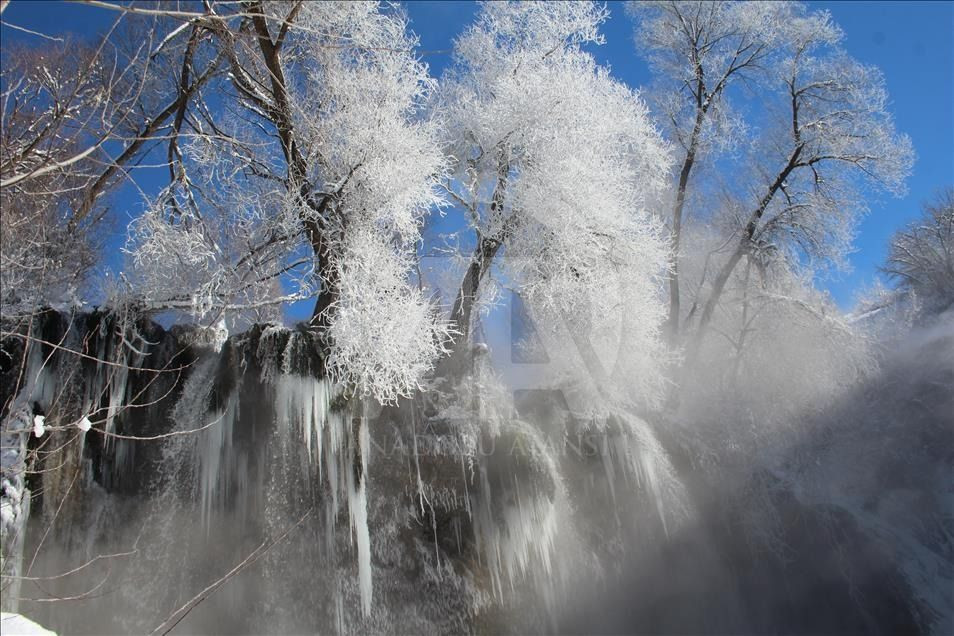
(172, 481)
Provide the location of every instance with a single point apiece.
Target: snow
(39, 425)
(220, 335)
(84, 424)
(19, 625)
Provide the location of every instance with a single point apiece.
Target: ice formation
(512, 540)
(304, 402)
(358, 509)
(38, 390)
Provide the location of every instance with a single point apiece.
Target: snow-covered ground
(17, 625)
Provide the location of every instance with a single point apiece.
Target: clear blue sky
(912, 42)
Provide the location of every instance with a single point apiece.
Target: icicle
(41, 381)
(305, 402)
(214, 450)
(212, 445)
(607, 454)
(606, 457)
(117, 383)
(116, 380)
(124, 462)
(520, 535)
(417, 463)
(358, 510)
(93, 391)
(334, 457)
(463, 469)
(648, 463)
(220, 335)
(652, 470)
(339, 609)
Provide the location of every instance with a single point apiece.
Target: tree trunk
(717, 288)
(329, 283)
(740, 345)
(281, 116)
(748, 233)
(672, 323)
(482, 259)
(675, 236)
(470, 286)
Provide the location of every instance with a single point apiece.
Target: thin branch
(177, 616)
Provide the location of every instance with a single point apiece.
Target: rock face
(230, 488)
(72, 371)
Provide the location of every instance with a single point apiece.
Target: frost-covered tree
(313, 166)
(921, 258)
(698, 51)
(825, 136)
(831, 138)
(555, 166)
(74, 116)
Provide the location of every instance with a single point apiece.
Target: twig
(169, 624)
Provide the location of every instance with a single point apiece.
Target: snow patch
(39, 425)
(18, 625)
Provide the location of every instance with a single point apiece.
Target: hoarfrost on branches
(921, 258)
(559, 165)
(386, 335)
(338, 162)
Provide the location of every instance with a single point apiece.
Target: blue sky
(912, 43)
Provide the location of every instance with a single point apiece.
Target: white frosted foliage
(560, 164)
(386, 335)
(264, 219)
